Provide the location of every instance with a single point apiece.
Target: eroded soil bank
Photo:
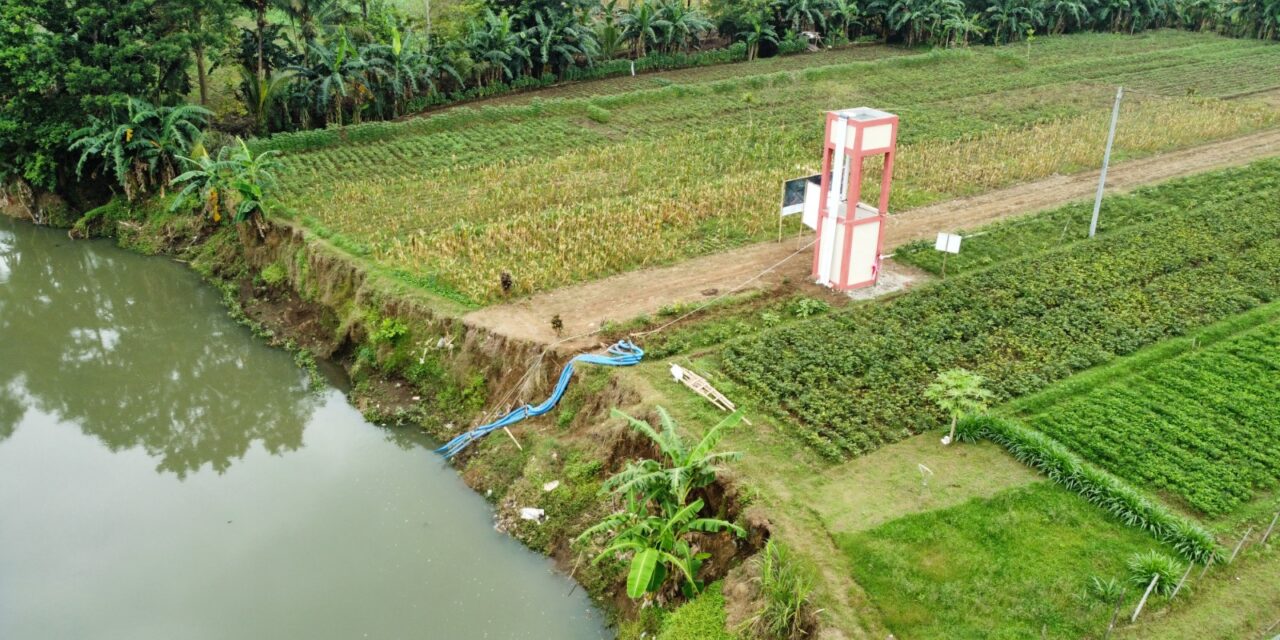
(414, 363)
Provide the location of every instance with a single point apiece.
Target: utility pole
(1106, 160)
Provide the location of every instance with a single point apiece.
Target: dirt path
(584, 307)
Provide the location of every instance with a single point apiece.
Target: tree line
(299, 64)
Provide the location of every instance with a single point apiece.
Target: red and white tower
(851, 232)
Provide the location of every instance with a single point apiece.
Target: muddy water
(165, 475)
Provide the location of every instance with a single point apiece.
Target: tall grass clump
(1147, 564)
(784, 590)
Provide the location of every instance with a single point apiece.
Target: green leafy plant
(958, 392)
(237, 183)
(1108, 591)
(390, 331)
(655, 525)
(808, 307)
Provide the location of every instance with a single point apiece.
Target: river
(163, 474)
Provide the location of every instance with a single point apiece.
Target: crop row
(853, 381)
(1204, 427)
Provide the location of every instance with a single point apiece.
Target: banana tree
(658, 524)
(142, 148)
(659, 545)
(643, 24)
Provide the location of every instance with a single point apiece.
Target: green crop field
(1201, 423)
(853, 381)
(1017, 565)
(456, 199)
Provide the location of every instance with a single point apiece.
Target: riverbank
(413, 363)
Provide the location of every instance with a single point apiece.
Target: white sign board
(812, 193)
(801, 196)
(948, 242)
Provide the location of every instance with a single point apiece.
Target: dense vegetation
(1202, 424)
(1014, 566)
(853, 381)
(407, 193)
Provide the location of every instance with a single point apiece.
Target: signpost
(800, 195)
(947, 243)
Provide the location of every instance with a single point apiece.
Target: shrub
(273, 274)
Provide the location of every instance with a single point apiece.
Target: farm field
(1025, 322)
(449, 202)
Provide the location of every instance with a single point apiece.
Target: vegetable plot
(854, 381)
(1203, 426)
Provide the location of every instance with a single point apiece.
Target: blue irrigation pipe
(622, 354)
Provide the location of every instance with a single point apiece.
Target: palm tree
(308, 16)
(261, 97)
(958, 392)
(642, 23)
(259, 9)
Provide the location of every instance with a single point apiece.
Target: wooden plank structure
(703, 388)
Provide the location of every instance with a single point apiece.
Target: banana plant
(657, 522)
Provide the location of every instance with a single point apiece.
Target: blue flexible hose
(622, 354)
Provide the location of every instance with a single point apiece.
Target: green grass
(702, 618)
(1013, 566)
(690, 169)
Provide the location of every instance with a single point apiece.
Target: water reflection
(136, 356)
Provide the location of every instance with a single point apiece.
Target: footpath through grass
(563, 191)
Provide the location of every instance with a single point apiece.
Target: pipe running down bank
(622, 354)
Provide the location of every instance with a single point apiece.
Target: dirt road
(583, 308)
